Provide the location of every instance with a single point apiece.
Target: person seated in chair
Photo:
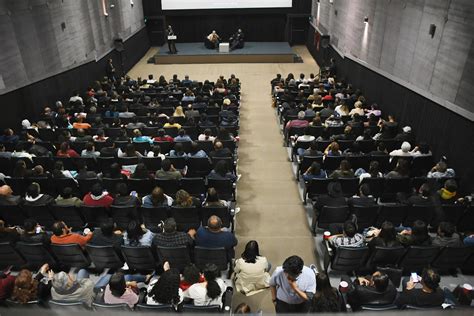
(386, 236)
(428, 293)
(168, 172)
(237, 40)
(214, 236)
(63, 235)
(7, 197)
(107, 235)
(34, 197)
(364, 199)
(349, 237)
(213, 40)
(446, 236)
(34, 233)
(375, 289)
(170, 237)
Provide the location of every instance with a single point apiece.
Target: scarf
(446, 195)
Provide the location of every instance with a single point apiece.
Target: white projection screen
(223, 4)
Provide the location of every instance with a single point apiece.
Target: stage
(253, 52)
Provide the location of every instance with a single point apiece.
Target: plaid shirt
(344, 241)
(175, 239)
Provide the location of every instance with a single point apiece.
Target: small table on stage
(223, 47)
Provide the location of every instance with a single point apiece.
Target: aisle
(271, 210)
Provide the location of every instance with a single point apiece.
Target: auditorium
(236, 157)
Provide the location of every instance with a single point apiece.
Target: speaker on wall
(118, 44)
(325, 41)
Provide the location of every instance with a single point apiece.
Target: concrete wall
(397, 41)
(41, 38)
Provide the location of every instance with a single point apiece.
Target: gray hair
(61, 281)
(301, 115)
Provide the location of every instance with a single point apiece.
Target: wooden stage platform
(253, 52)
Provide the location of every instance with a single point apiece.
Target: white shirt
(198, 292)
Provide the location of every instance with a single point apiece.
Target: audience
(327, 298)
(423, 292)
(375, 289)
(208, 292)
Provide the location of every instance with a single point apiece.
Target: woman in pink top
(118, 291)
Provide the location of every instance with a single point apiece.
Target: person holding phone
(424, 291)
(375, 289)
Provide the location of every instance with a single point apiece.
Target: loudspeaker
(118, 44)
(325, 41)
(432, 30)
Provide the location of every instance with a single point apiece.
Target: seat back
(139, 258)
(70, 255)
(350, 186)
(141, 186)
(417, 258)
(67, 306)
(145, 308)
(60, 183)
(419, 212)
(466, 222)
(420, 165)
(111, 184)
(198, 167)
(394, 213)
(383, 160)
(217, 256)
(189, 308)
(317, 187)
(383, 256)
(186, 217)
(94, 215)
(104, 257)
(366, 215)
(451, 258)
(349, 259)
(152, 216)
(222, 211)
(225, 188)
(68, 214)
(152, 163)
(170, 187)
(178, 257)
(331, 163)
(41, 214)
(85, 185)
(178, 162)
(453, 213)
(110, 308)
(392, 186)
(307, 161)
(122, 215)
(194, 186)
(35, 254)
(332, 214)
(12, 215)
(9, 256)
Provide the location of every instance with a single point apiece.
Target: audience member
(98, 197)
(292, 286)
(62, 234)
(327, 298)
(375, 289)
(208, 292)
(446, 236)
(137, 235)
(428, 295)
(170, 237)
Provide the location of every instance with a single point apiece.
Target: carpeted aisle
(271, 210)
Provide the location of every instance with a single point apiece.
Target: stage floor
(253, 52)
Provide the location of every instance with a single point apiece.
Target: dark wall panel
(28, 102)
(447, 132)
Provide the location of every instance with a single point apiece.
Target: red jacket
(6, 286)
(105, 200)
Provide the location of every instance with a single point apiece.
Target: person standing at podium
(171, 42)
(214, 39)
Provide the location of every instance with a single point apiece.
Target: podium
(223, 47)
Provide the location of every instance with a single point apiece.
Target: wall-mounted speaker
(325, 41)
(432, 30)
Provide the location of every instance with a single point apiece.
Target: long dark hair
(117, 284)
(251, 252)
(166, 289)
(326, 298)
(134, 232)
(210, 274)
(387, 232)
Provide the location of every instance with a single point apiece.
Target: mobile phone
(414, 277)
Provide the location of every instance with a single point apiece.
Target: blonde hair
(178, 111)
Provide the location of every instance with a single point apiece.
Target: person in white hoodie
(34, 197)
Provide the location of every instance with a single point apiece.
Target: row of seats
(80, 217)
(194, 186)
(398, 214)
(385, 188)
(411, 259)
(138, 259)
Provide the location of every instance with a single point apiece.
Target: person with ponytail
(209, 292)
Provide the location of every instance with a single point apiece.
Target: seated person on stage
(213, 40)
(237, 40)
